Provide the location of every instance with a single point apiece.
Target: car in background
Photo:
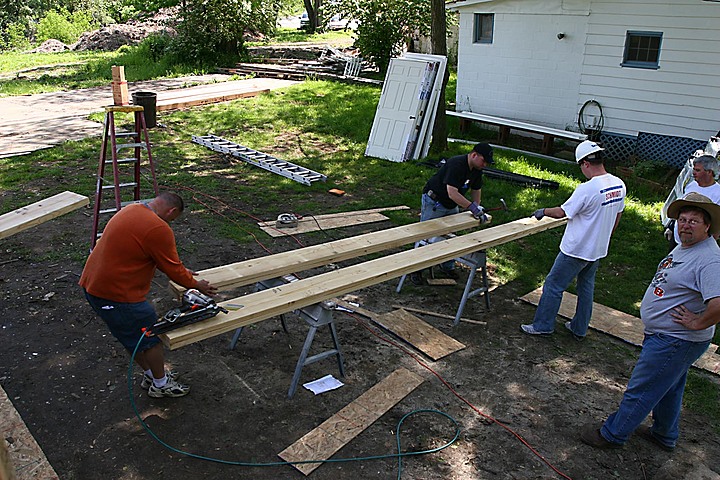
(336, 22)
(304, 21)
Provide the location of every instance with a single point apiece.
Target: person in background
(593, 212)
(705, 170)
(444, 194)
(117, 276)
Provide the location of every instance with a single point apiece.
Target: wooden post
(119, 86)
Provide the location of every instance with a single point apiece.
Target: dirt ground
(67, 378)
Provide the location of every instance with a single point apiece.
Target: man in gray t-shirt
(679, 310)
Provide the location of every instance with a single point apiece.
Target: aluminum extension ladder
(259, 159)
(126, 171)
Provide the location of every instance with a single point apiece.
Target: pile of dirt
(50, 46)
(114, 36)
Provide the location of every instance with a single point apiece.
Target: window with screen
(483, 28)
(642, 50)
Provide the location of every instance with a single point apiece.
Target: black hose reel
(591, 120)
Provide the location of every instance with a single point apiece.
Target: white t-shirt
(592, 210)
(711, 191)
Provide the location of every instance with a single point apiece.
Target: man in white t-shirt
(593, 212)
(705, 168)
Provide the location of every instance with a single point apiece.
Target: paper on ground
(324, 384)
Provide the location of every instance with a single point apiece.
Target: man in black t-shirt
(444, 193)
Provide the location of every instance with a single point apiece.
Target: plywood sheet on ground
(621, 325)
(329, 437)
(329, 221)
(25, 454)
(426, 338)
(39, 212)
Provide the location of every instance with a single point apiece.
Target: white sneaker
(148, 379)
(577, 337)
(530, 330)
(171, 389)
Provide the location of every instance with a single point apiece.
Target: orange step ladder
(127, 171)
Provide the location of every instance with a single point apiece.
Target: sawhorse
(316, 316)
(474, 261)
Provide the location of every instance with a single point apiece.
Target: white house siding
(526, 73)
(682, 97)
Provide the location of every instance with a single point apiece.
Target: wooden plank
(315, 224)
(620, 325)
(308, 291)
(247, 272)
(24, 452)
(439, 315)
(204, 99)
(329, 221)
(40, 212)
(334, 433)
(423, 337)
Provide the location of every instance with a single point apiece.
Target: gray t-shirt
(687, 276)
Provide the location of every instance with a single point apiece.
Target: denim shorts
(126, 321)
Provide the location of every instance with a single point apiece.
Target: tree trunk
(312, 7)
(438, 40)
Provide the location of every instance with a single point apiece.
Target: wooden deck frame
(259, 306)
(227, 277)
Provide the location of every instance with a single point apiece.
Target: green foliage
(15, 37)
(215, 28)
(385, 25)
(63, 25)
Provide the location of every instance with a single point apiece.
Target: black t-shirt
(454, 172)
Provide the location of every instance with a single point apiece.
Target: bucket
(148, 101)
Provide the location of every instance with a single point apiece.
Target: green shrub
(63, 25)
(15, 37)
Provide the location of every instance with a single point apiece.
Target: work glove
(539, 214)
(477, 210)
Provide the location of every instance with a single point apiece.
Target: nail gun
(195, 306)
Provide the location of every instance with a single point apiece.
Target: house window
(483, 28)
(642, 50)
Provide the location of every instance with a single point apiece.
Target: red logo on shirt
(659, 292)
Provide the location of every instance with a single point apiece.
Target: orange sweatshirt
(122, 264)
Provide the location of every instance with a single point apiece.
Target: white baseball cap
(588, 147)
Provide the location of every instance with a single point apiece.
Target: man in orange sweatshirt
(117, 276)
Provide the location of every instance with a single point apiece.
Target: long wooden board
(199, 99)
(422, 336)
(620, 325)
(40, 212)
(329, 221)
(24, 453)
(302, 293)
(335, 432)
(247, 272)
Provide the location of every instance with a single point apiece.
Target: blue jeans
(656, 385)
(561, 274)
(432, 209)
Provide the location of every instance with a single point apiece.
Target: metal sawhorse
(316, 316)
(475, 261)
